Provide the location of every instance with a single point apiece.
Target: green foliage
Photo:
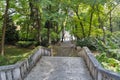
(111, 42)
(114, 53)
(26, 44)
(78, 31)
(4, 60)
(27, 35)
(61, 11)
(89, 42)
(14, 54)
(110, 59)
(102, 57)
(11, 33)
(44, 41)
(109, 63)
(54, 37)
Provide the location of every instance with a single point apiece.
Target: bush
(26, 44)
(114, 54)
(11, 35)
(4, 60)
(109, 63)
(110, 59)
(100, 45)
(112, 41)
(44, 43)
(89, 42)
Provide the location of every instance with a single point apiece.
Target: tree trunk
(83, 31)
(27, 31)
(63, 33)
(63, 29)
(90, 28)
(48, 34)
(103, 33)
(35, 18)
(119, 25)
(81, 24)
(111, 29)
(38, 24)
(4, 28)
(101, 25)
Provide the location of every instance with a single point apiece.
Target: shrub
(11, 33)
(26, 44)
(114, 54)
(4, 60)
(110, 59)
(109, 63)
(89, 42)
(44, 43)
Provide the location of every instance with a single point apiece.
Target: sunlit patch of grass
(13, 50)
(14, 54)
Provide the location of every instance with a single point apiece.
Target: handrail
(19, 70)
(95, 68)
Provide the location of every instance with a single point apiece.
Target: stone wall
(19, 70)
(96, 70)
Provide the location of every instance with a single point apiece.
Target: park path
(60, 68)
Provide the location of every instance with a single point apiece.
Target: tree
(35, 17)
(4, 27)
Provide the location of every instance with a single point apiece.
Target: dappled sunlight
(14, 54)
(63, 28)
(13, 50)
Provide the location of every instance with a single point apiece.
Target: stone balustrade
(96, 70)
(19, 70)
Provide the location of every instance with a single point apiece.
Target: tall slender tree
(4, 27)
(35, 17)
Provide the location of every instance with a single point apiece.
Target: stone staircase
(60, 68)
(65, 49)
(40, 67)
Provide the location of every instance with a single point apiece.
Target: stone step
(60, 68)
(67, 44)
(65, 49)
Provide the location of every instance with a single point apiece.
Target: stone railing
(19, 70)
(96, 70)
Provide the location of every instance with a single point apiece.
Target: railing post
(17, 74)
(9, 75)
(3, 76)
(99, 76)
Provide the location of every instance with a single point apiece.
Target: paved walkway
(59, 68)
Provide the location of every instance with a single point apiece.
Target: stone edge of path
(19, 70)
(95, 68)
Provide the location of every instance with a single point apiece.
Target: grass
(14, 54)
